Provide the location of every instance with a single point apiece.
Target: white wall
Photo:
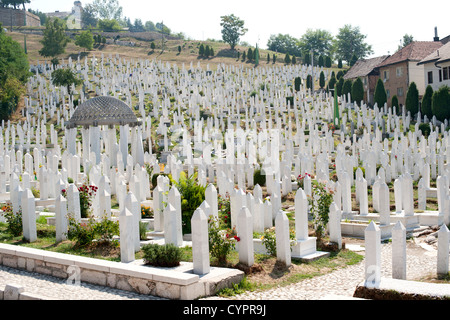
(431, 67)
(417, 75)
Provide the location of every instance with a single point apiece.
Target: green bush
(167, 255)
(192, 196)
(259, 178)
(221, 242)
(101, 231)
(347, 88)
(14, 220)
(425, 128)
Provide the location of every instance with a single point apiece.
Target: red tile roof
(363, 67)
(415, 51)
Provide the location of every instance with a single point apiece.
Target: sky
(384, 22)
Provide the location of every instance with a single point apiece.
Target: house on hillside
(437, 67)
(401, 69)
(366, 70)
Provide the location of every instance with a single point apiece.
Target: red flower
(237, 238)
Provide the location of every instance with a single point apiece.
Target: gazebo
(104, 111)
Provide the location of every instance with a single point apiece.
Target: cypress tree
(380, 97)
(395, 105)
(322, 80)
(426, 102)
(412, 99)
(294, 60)
(297, 83)
(287, 59)
(328, 62)
(440, 102)
(347, 88)
(358, 91)
(339, 86)
(309, 81)
(340, 63)
(250, 54)
(321, 61)
(201, 50)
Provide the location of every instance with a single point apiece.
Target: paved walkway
(342, 282)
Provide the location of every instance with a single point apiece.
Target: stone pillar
(301, 215)
(132, 205)
(399, 251)
(372, 236)
(200, 242)
(335, 225)
(28, 216)
(442, 252)
(73, 202)
(211, 198)
(282, 238)
(127, 246)
(245, 233)
(384, 205)
(61, 218)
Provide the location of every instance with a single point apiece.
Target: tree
(412, 99)
(294, 60)
(88, 17)
(55, 39)
(380, 97)
(328, 62)
(339, 86)
(353, 60)
(358, 91)
(268, 58)
(306, 58)
(440, 102)
(232, 29)
(65, 77)
(350, 41)
(107, 25)
(149, 26)
(85, 40)
(179, 49)
(347, 88)
(332, 82)
(297, 83)
(309, 81)
(321, 61)
(14, 73)
(395, 104)
(201, 50)
(107, 9)
(322, 80)
(287, 59)
(407, 39)
(318, 40)
(152, 46)
(274, 58)
(283, 43)
(138, 26)
(250, 54)
(207, 51)
(426, 102)
(340, 63)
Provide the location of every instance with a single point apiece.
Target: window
(430, 77)
(445, 73)
(440, 75)
(386, 75)
(399, 92)
(399, 72)
(388, 93)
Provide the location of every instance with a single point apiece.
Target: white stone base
(409, 222)
(431, 218)
(304, 247)
(356, 229)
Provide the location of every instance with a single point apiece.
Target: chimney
(436, 38)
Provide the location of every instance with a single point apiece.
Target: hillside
(142, 50)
